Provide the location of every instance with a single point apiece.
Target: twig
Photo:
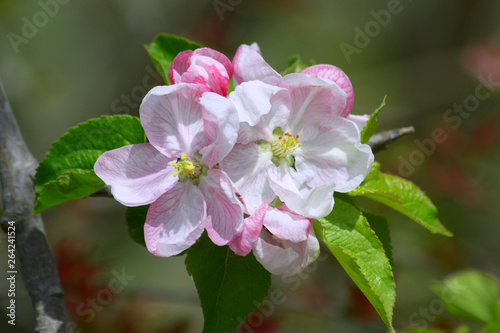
(380, 141)
(33, 255)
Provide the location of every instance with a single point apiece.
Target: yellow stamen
(185, 168)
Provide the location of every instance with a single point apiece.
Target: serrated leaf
(381, 227)
(295, 65)
(349, 237)
(403, 196)
(230, 287)
(67, 171)
(136, 217)
(472, 295)
(68, 186)
(164, 48)
(372, 124)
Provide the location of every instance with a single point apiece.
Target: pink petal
(224, 209)
(205, 67)
(287, 225)
(249, 65)
(334, 156)
(178, 66)
(283, 257)
(313, 100)
(221, 127)
(247, 166)
(172, 119)
(291, 188)
(138, 174)
(338, 76)
(175, 221)
(252, 225)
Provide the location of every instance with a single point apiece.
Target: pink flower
(249, 65)
(175, 171)
(281, 240)
(294, 143)
(205, 67)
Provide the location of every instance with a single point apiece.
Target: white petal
(292, 189)
(252, 100)
(313, 100)
(175, 221)
(334, 156)
(359, 120)
(249, 65)
(283, 257)
(172, 119)
(339, 77)
(276, 258)
(221, 127)
(224, 209)
(286, 225)
(138, 174)
(247, 167)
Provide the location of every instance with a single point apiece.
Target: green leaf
(164, 48)
(295, 65)
(372, 124)
(403, 196)
(349, 237)
(136, 217)
(422, 330)
(472, 295)
(66, 172)
(230, 287)
(381, 227)
(68, 186)
(462, 329)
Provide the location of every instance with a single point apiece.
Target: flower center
(285, 145)
(189, 169)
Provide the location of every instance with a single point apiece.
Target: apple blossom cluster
(252, 168)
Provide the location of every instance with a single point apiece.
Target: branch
(33, 255)
(381, 141)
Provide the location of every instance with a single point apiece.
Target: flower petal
(360, 121)
(291, 187)
(334, 156)
(338, 76)
(172, 119)
(313, 100)
(138, 174)
(249, 65)
(252, 225)
(221, 127)
(252, 100)
(175, 221)
(205, 67)
(287, 225)
(283, 257)
(224, 209)
(270, 109)
(247, 166)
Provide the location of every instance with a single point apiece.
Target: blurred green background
(87, 59)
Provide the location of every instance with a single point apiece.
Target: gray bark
(33, 255)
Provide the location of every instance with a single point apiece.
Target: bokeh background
(88, 56)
